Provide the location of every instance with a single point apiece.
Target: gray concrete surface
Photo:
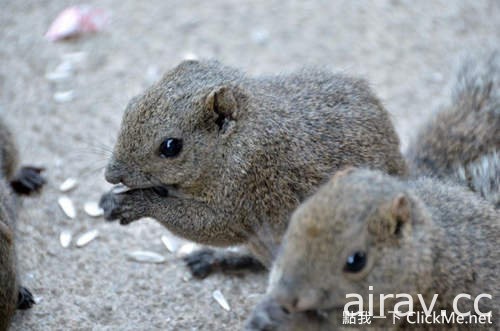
(404, 48)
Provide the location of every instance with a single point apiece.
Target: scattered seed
(68, 185)
(93, 209)
(260, 36)
(65, 96)
(186, 249)
(86, 238)
(221, 300)
(187, 277)
(65, 238)
(152, 74)
(74, 57)
(120, 188)
(57, 75)
(146, 257)
(67, 206)
(63, 71)
(172, 243)
(190, 56)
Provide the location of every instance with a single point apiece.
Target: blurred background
(64, 101)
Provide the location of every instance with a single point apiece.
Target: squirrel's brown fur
(253, 150)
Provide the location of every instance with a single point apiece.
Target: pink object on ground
(76, 20)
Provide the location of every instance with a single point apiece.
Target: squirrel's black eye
(355, 262)
(170, 147)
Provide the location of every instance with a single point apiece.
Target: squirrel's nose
(113, 172)
(295, 302)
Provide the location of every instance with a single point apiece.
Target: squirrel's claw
(110, 204)
(28, 180)
(201, 263)
(115, 208)
(25, 299)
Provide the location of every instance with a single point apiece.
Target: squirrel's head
(361, 229)
(173, 132)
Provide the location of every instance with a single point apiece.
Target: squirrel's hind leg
(207, 261)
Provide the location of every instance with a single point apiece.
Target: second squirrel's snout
(295, 298)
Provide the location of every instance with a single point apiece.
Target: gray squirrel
(223, 159)
(14, 182)
(366, 232)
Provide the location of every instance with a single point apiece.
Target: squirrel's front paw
(118, 206)
(28, 180)
(25, 299)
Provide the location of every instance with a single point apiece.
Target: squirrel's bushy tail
(462, 141)
(482, 176)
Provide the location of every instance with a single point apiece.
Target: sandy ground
(404, 48)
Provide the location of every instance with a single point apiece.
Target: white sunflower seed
(65, 238)
(172, 243)
(93, 209)
(67, 206)
(86, 238)
(120, 188)
(221, 300)
(74, 57)
(64, 96)
(62, 72)
(190, 56)
(57, 75)
(260, 36)
(68, 185)
(186, 249)
(146, 257)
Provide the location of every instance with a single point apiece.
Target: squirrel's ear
(342, 173)
(394, 220)
(224, 103)
(400, 210)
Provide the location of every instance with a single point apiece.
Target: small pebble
(86, 238)
(93, 209)
(65, 238)
(68, 185)
(67, 206)
(146, 257)
(221, 300)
